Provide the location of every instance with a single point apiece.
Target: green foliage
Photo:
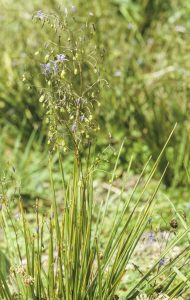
(65, 256)
(24, 165)
(150, 90)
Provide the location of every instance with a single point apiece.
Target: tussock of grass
(84, 60)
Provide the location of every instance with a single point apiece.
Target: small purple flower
(50, 67)
(40, 15)
(149, 220)
(52, 215)
(162, 262)
(61, 57)
(46, 69)
(151, 237)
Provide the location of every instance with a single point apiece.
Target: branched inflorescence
(71, 73)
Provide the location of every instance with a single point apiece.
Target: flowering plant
(71, 96)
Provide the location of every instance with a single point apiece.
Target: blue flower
(40, 15)
(46, 69)
(61, 57)
(151, 237)
(162, 262)
(49, 68)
